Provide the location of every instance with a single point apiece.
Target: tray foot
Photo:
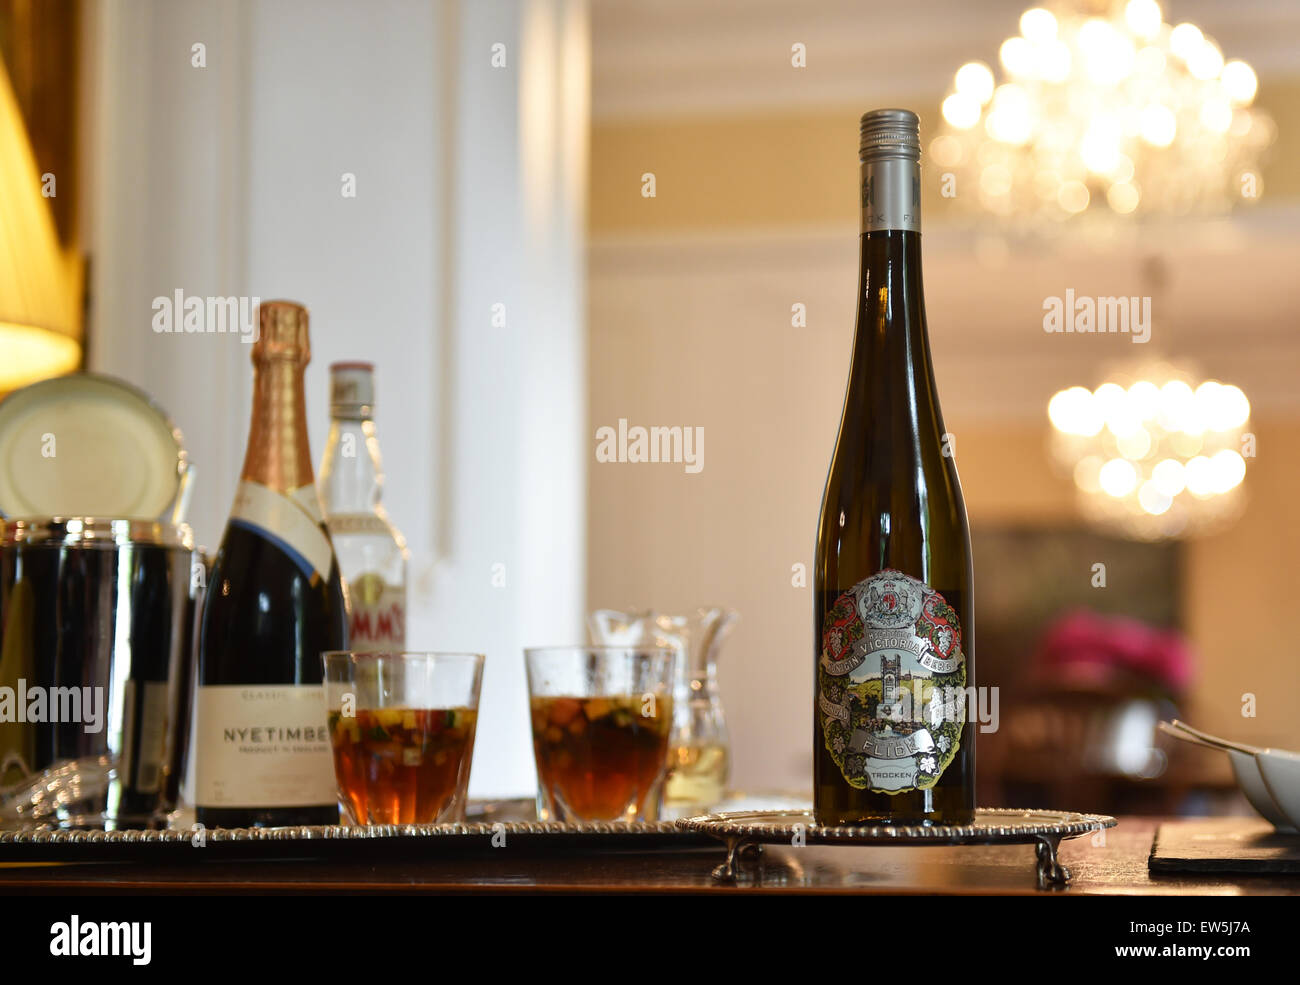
(1051, 873)
(739, 851)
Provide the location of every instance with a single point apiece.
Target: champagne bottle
(892, 579)
(274, 603)
(372, 553)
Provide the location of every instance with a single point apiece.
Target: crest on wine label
(891, 684)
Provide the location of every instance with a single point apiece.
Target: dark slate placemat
(1224, 844)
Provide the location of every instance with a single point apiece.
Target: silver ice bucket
(96, 633)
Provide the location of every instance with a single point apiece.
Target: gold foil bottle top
(279, 455)
(282, 332)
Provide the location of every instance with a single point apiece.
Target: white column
(470, 183)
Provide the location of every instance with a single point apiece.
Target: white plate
(87, 446)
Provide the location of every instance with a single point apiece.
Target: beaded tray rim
(1033, 824)
(333, 832)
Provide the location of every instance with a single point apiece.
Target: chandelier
(1115, 114)
(1155, 454)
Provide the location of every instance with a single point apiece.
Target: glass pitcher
(699, 751)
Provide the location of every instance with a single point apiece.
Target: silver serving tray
(173, 845)
(745, 832)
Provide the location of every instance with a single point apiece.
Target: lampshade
(40, 332)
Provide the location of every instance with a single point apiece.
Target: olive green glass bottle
(893, 743)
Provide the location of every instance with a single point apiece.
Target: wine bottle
(372, 553)
(274, 603)
(892, 578)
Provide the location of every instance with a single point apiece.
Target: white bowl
(1252, 784)
(1280, 772)
(1270, 778)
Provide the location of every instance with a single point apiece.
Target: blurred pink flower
(1085, 647)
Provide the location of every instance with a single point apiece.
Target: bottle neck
(352, 474)
(891, 367)
(891, 339)
(279, 453)
(891, 347)
(891, 309)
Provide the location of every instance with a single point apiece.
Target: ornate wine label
(891, 684)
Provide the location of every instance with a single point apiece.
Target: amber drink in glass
(601, 719)
(402, 729)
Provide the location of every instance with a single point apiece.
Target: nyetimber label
(636, 444)
(1099, 315)
(266, 734)
(264, 746)
(102, 939)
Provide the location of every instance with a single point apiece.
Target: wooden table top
(1115, 864)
